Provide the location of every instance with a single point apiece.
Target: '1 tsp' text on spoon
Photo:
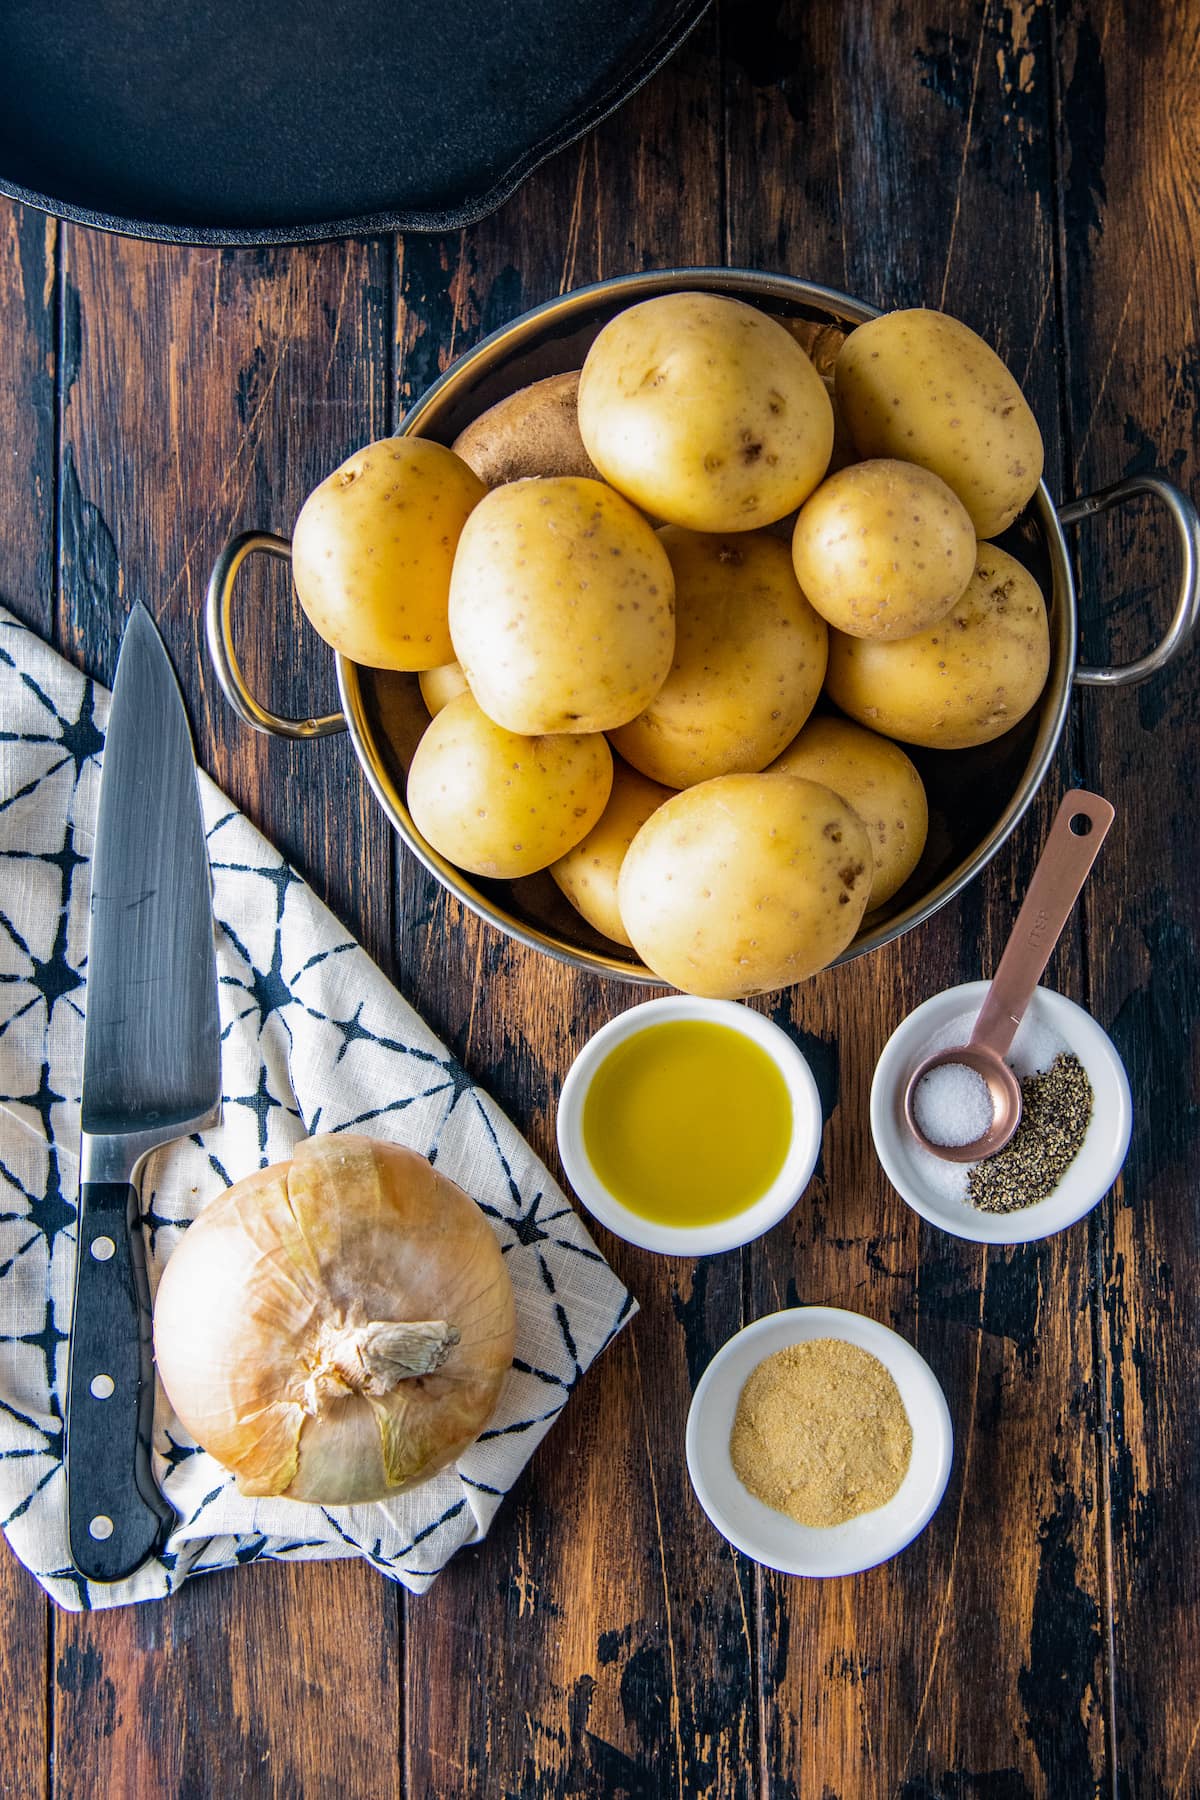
(1079, 829)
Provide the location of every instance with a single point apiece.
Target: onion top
(336, 1329)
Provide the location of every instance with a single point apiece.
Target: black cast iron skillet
(277, 121)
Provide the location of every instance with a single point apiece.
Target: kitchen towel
(313, 1039)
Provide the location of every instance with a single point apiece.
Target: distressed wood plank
(1132, 215)
(278, 1682)
(906, 159)
(28, 269)
(28, 261)
(609, 1636)
(205, 391)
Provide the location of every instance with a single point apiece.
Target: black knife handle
(116, 1515)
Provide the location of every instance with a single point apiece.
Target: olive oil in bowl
(687, 1122)
(689, 1126)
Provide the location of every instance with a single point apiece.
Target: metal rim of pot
(834, 308)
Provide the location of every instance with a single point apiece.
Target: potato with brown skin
(883, 549)
(373, 548)
(499, 804)
(704, 412)
(876, 778)
(561, 607)
(750, 657)
(923, 387)
(441, 685)
(966, 680)
(820, 342)
(588, 874)
(745, 884)
(532, 432)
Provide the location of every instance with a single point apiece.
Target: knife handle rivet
(101, 1526)
(103, 1248)
(102, 1387)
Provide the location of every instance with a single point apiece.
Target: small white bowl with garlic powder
(776, 1539)
(938, 1189)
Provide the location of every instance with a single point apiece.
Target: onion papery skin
(261, 1324)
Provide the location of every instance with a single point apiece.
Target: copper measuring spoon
(1079, 829)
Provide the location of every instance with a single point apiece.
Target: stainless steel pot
(977, 797)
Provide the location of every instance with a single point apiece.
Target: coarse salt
(953, 1105)
(1033, 1050)
(1035, 1046)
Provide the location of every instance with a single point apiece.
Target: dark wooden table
(1032, 168)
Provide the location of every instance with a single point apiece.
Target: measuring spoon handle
(1061, 872)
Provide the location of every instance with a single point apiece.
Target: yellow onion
(337, 1328)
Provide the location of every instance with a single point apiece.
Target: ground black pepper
(1056, 1107)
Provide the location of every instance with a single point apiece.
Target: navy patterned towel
(313, 1039)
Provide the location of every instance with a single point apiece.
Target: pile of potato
(621, 652)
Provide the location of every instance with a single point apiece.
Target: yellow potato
(499, 804)
(843, 452)
(561, 607)
(840, 457)
(441, 685)
(874, 776)
(924, 387)
(821, 343)
(532, 432)
(883, 549)
(749, 661)
(705, 412)
(965, 680)
(373, 548)
(588, 874)
(745, 884)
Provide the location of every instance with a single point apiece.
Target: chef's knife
(151, 1073)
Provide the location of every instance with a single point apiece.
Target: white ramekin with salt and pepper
(1076, 1130)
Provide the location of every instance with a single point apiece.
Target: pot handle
(1186, 522)
(218, 627)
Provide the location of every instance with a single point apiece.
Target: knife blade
(151, 1073)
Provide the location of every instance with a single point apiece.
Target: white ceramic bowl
(773, 1538)
(753, 1220)
(1090, 1175)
